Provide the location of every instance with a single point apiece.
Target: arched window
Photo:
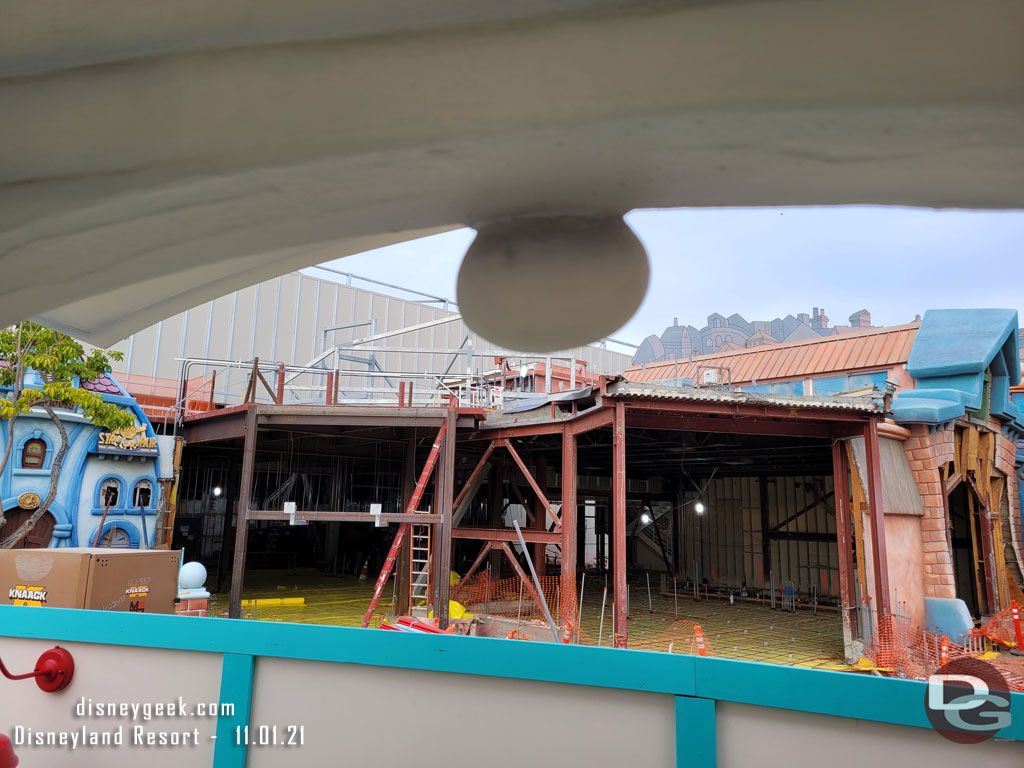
(33, 454)
(142, 494)
(110, 492)
(116, 537)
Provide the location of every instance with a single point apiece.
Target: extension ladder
(419, 564)
(403, 529)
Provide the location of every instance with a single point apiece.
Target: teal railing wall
(697, 683)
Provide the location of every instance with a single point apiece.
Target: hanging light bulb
(216, 490)
(699, 508)
(645, 518)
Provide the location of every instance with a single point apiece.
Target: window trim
(36, 434)
(97, 493)
(134, 508)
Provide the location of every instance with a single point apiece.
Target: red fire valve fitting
(53, 672)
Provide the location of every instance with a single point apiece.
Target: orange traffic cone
(698, 638)
(1015, 616)
(567, 637)
(362, 573)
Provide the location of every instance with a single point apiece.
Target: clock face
(117, 538)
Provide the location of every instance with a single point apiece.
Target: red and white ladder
(403, 529)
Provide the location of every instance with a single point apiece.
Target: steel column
(568, 512)
(619, 521)
(443, 533)
(877, 514)
(244, 499)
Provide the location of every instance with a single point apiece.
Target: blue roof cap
(959, 341)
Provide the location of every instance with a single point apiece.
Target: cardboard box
(104, 579)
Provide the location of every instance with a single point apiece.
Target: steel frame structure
(548, 524)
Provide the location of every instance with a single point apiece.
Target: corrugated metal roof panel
(655, 392)
(870, 349)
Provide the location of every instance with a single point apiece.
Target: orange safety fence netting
(514, 598)
(904, 650)
(1000, 628)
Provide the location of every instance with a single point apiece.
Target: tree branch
(43, 508)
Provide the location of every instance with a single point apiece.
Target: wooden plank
(857, 511)
(876, 508)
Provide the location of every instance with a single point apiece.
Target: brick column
(191, 606)
(927, 450)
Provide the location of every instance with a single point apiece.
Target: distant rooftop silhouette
(722, 334)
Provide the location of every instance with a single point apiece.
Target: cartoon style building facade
(115, 473)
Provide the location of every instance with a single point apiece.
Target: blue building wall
(77, 510)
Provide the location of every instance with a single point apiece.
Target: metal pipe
(536, 582)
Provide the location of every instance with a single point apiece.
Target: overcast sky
(766, 263)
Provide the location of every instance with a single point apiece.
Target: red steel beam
(592, 420)
(279, 393)
(877, 514)
(231, 426)
(527, 582)
(619, 522)
(242, 526)
(522, 501)
(442, 534)
(329, 516)
(525, 430)
(472, 475)
(568, 542)
(505, 534)
(529, 478)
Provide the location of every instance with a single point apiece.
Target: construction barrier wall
(368, 697)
